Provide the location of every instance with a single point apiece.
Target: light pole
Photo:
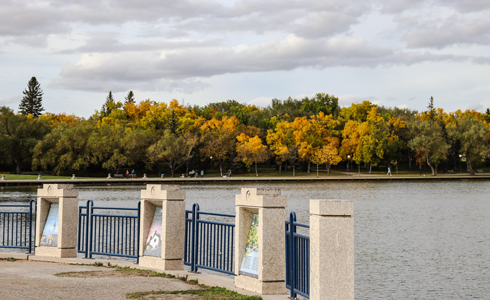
(460, 156)
(211, 169)
(348, 163)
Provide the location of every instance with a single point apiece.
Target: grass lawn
(34, 177)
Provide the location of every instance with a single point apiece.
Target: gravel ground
(35, 280)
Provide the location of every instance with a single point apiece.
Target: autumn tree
(281, 143)
(218, 138)
(328, 154)
(473, 136)
(32, 102)
(251, 150)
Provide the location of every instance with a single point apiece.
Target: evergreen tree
(174, 123)
(129, 98)
(432, 110)
(108, 105)
(31, 103)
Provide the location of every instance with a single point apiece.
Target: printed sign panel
(153, 245)
(50, 232)
(250, 262)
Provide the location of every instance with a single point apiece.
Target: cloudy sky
(391, 52)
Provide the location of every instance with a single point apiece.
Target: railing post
(331, 250)
(88, 229)
(195, 213)
(30, 222)
(292, 254)
(138, 234)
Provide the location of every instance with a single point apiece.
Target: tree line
(289, 133)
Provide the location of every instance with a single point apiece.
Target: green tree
(32, 102)
(64, 148)
(473, 136)
(428, 141)
(116, 147)
(18, 136)
(172, 150)
(431, 110)
(129, 98)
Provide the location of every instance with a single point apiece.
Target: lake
(413, 239)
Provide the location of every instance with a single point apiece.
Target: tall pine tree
(32, 102)
(129, 98)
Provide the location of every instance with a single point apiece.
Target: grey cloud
(108, 42)
(311, 18)
(453, 30)
(179, 66)
(10, 100)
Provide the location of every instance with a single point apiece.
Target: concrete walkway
(33, 277)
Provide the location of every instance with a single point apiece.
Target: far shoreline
(176, 180)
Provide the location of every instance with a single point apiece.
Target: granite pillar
(270, 207)
(331, 250)
(170, 199)
(60, 239)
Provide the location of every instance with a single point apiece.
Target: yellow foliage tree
(218, 137)
(251, 150)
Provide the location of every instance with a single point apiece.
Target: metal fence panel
(17, 226)
(114, 234)
(208, 244)
(297, 258)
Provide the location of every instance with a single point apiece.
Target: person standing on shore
(202, 173)
(127, 174)
(389, 171)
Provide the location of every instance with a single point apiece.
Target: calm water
(414, 240)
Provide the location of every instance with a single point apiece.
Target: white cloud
(476, 106)
(347, 100)
(402, 106)
(261, 101)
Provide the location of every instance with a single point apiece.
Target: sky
(390, 52)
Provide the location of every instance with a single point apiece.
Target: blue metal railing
(17, 229)
(297, 259)
(108, 234)
(208, 244)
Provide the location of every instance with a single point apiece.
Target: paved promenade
(33, 277)
(323, 177)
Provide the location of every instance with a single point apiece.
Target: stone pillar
(271, 209)
(170, 254)
(57, 205)
(331, 250)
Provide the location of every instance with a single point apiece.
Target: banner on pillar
(50, 232)
(250, 262)
(153, 245)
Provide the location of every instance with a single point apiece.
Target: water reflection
(414, 240)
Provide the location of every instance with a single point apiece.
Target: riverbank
(138, 181)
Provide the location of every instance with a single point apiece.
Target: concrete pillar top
(163, 192)
(57, 191)
(254, 197)
(332, 207)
